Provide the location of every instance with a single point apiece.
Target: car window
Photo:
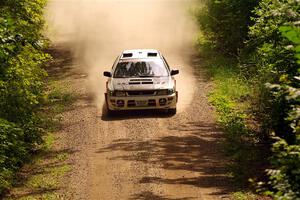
(140, 68)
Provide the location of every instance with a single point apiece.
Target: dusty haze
(135, 156)
(98, 30)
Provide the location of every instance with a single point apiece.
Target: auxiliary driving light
(120, 103)
(162, 101)
(165, 92)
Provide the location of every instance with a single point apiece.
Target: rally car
(141, 79)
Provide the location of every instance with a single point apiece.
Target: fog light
(120, 103)
(131, 103)
(162, 101)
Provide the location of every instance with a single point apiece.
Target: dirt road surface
(137, 155)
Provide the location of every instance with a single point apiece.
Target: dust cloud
(97, 31)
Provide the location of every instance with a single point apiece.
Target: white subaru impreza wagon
(141, 79)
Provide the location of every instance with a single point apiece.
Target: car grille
(142, 103)
(141, 92)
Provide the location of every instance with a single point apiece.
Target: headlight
(162, 92)
(165, 92)
(120, 93)
(117, 93)
(171, 91)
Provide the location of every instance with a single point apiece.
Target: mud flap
(106, 101)
(105, 95)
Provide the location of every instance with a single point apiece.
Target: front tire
(110, 113)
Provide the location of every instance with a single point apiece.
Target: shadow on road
(36, 181)
(133, 114)
(197, 150)
(149, 195)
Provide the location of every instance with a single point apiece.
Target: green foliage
(22, 85)
(285, 175)
(226, 23)
(243, 196)
(276, 72)
(293, 34)
(26, 17)
(12, 151)
(266, 42)
(270, 16)
(21, 82)
(43, 176)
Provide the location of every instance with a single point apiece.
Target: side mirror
(107, 74)
(174, 72)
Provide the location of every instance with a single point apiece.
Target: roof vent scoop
(152, 54)
(127, 55)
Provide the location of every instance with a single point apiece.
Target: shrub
(274, 62)
(226, 23)
(12, 151)
(285, 175)
(21, 82)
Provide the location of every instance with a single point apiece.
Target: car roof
(140, 54)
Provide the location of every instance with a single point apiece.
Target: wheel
(172, 111)
(110, 113)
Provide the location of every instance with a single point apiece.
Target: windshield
(140, 68)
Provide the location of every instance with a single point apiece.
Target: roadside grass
(60, 96)
(58, 99)
(244, 196)
(42, 178)
(232, 96)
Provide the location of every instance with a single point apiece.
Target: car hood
(128, 84)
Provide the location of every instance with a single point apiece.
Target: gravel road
(143, 154)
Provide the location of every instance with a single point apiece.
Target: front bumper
(141, 102)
